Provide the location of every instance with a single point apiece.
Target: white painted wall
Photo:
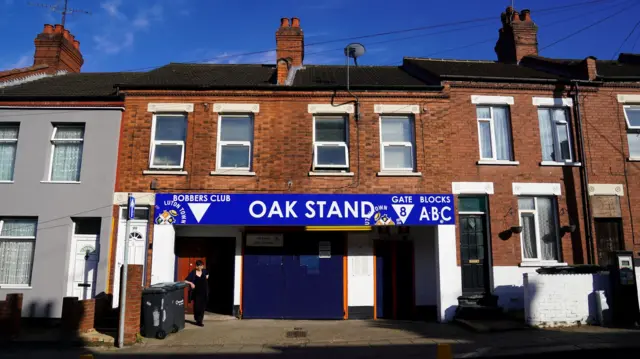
(237, 276)
(508, 286)
(163, 258)
(448, 273)
(424, 244)
(360, 270)
(553, 300)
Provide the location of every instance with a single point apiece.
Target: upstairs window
(555, 135)
(397, 143)
(235, 142)
(632, 116)
(330, 148)
(168, 140)
(8, 147)
(66, 153)
(494, 129)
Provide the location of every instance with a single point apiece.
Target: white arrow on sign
(402, 210)
(199, 209)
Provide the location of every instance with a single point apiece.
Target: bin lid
(154, 290)
(159, 288)
(180, 285)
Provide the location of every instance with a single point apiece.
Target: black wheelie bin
(162, 309)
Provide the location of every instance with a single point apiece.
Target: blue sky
(123, 35)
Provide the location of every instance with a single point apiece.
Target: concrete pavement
(353, 339)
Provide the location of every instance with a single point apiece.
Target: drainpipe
(584, 176)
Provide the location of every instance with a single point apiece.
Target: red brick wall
(447, 150)
(11, 315)
(608, 151)
(133, 303)
(78, 315)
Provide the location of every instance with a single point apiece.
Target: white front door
(83, 268)
(137, 251)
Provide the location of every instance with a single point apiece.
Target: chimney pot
(518, 36)
(289, 47)
(58, 55)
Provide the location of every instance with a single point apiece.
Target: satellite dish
(354, 50)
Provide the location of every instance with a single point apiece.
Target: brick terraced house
(405, 193)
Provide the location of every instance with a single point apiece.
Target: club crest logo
(382, 219)
(167, 217)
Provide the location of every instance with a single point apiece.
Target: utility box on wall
(624, 289)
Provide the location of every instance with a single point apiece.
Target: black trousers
(199, 305)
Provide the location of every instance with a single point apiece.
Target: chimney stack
(289, 47)
(518, 36)
(59, 49)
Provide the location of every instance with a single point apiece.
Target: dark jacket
(192, 278)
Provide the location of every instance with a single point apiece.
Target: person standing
(199, 291)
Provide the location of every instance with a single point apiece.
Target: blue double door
(303, 279)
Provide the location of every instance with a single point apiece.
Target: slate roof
(362, 76)
(444, 69)
(72, 85)
(213, 76)
(626, 67)
(203, 76)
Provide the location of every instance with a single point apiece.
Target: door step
(479, 307)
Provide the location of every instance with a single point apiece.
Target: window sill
(61, 182)
(560, 164)
(331, 174)
(498, 163)
(399, 174)
(633, 159)
(232, 173)
(543, 264)
(1, 182)
(15, 286)
(165, 172)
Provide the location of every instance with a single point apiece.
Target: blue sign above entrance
(304, 209)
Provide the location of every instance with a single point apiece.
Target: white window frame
(221, 143)
(556, 141)
(55, 140)
(631, 129)
(410, 144)
(536, 222)
(494, 151)
(626, 118)
(152, 152)
(10, 141)
(344, 144)
(20, 238)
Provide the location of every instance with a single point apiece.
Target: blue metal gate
(303, 279)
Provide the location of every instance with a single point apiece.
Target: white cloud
(112, 45)
(120, 36)
(146, 16)
(268, 57)
(22, 61)
(112, 8)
